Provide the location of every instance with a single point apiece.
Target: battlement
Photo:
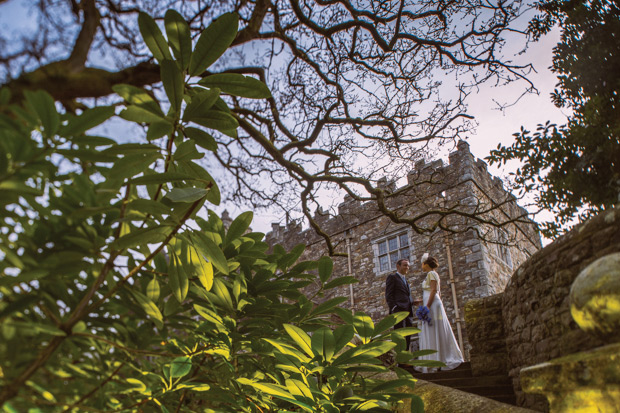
(434, 178)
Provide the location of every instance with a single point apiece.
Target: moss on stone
(579, 382)
(441, 399)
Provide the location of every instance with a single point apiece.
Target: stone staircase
(498, 388)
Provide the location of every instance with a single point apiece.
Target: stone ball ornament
(595, 298)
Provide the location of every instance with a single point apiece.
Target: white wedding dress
(438, 336)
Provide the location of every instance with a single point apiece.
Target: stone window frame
(503, 250)
(385, 238)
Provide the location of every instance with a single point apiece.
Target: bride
(437, 334)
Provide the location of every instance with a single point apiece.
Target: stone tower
(476, 259)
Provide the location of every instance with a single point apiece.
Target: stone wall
(463, 185)
(536, 312)
(485, 328)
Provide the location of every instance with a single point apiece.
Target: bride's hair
(432, 262)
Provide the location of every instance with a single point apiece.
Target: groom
(398, 294)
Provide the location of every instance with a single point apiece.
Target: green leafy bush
(117, 295)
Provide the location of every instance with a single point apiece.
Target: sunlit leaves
(363, 326)
(149, 307)
(152, 302)
(300, 337)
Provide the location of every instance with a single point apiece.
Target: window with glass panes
(391, 249)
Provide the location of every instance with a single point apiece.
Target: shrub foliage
(121, 291)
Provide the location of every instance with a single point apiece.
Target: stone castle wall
(463, 185)
(536, 311)
(485, 327)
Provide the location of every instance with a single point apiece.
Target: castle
(489, 237)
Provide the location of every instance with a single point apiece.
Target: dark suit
(398, 298)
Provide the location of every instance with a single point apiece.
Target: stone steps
(495, 387)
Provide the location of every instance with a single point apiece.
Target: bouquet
(424, 314)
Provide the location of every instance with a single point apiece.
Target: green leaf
(326, 265)
(221, 291)
(343, 336)
(180, 366)
(327, 306)
(194, 386)
(161, 178)
(217, 120)
(298, 388)
(323, 343)
(147, 206)
(239, 226)
(202, 268)
(158, 129)
(136, 385)
(140, 115)
(237, 85)
(132, 148)
(38, 328)
(43, 104)
(138, 97)
(288, 351)
(417, 404)
(149, 307)
(79, 327)
(5, 95)
(202, 138)
(187, 151)
(24, 276)
(87, 120)
(177, 278)
(186, 194)
(93, 140)
(152, 289)
(271, 389)
(132, 164)
(179, 37)
(407, 331)
(213, 42)
(153, 37)
(367, 405)
(141, 236)
(212, 251)
(192, 168)
(19, 188)
(390, 321)
(364, 353)
(200, 103)
(363, 326)
(300, 337)
(421, 353)
(337, 282)
(209, 316)
(172, 78)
